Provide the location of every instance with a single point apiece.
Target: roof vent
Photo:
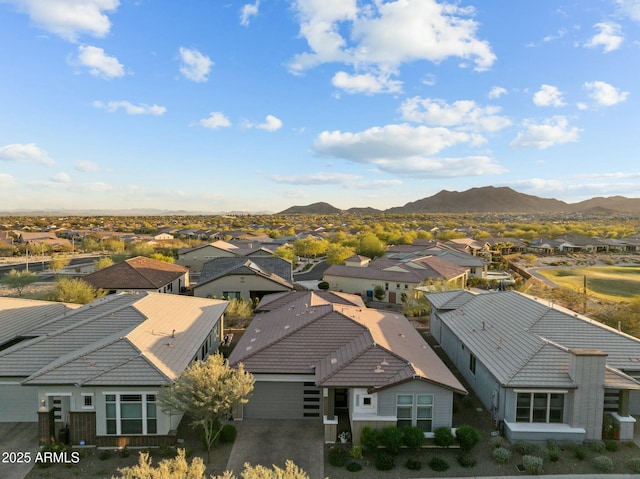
(286, 326)
(334, 360)
(378, 369)
(384, 363)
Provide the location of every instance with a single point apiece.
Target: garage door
(283, 400)
(19, 403)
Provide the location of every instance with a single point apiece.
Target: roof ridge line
(346, 363)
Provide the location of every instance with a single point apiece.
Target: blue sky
(207, 105)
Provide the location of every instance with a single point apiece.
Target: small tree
(207, 391)
(103, 263)
(19, 280)
(59, 262)
(378, 292)
(74, 290)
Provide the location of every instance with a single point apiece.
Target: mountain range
(487, 199)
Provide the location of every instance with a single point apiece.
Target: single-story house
(397, 278)
(543, 371)
(194, 258)
(477, 266)
(141, 274)
(343, 364)
(242, 277)
(94, 372)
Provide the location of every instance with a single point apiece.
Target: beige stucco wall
(195, 260)
(241, 283)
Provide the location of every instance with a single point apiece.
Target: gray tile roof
(524, 341)
(271, 267)
(125, 339)
(20, 316)
(277, 300)
(342, 344)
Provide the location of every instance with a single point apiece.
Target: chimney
(586, 403)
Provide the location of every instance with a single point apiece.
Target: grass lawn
(614, 283)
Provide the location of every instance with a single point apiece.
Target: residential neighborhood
(344, 347)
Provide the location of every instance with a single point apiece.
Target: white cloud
(61, 178)
(99, 63)
(343, 179)
(271, 123)
(464, 114)
(497, 92)
(25, 153)
(609, 37)
(388, 34)
(215, 120)
(195, 66)
(7, 180)
(366, 83)
(248, 10)
(630, 8)
(405, 150)
(548, 95)
(86, 166)
(605, 94)
(553, 131)
(70, 18)
(130, 108)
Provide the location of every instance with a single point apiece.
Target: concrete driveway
(17, 437)
(273, 441)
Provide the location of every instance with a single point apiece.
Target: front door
(392, 297)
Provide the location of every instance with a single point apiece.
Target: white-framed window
(540, 406)
(131, 413)
(415, 410)
(87, 401)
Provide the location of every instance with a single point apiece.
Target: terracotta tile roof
(136, 273)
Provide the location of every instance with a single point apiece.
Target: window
(231, 295)
(87, 401)
(472, 364)
(415, 411)
(540, 407)
(131, 413)
(366, 401)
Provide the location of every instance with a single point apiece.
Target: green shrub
(384, 461)
(165, 451)
(338, 456)
(466, 460)
(597, 446)
(501, 455)
(580, 453)
(526, 448)
(369, 438)
(356, 452)
(532, 465)
(52, 447)
(324, 286)
(438, 464)
(467, 437)
(634, 464)
(412, 437)
(611, 445)
(125, 452)
(228, 433)
(391, 438)
(553, 455)
(104, 455)
(413, 464)
(443, 437)
(603, 464)
(354, 467)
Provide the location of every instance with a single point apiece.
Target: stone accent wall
(83, 427)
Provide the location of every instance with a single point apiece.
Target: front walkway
(273, 441)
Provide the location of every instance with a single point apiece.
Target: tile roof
(524, 341)
(136, 273)
(270, 267)
(342, 344)
(19, 316)
(312, 298)
(124, 339)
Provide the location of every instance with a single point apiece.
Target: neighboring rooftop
(136, 273)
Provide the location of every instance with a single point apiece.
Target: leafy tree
(74, 290)
(371, 246)
(141, 249)
(310, 247)
(102, 263)
(207, 391)
(337, 254)
(286, 252)
(378, 292)
(59, 262)
(162, 257)
(19, 280)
